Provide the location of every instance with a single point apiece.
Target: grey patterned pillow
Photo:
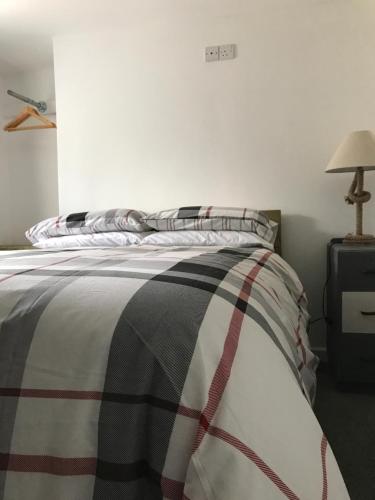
(119, 219)
(213, 219)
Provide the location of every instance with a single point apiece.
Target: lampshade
(356, 150)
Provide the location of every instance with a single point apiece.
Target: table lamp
(356, 154)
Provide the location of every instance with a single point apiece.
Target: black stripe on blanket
(152, 346)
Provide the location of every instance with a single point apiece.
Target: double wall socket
(220, 52)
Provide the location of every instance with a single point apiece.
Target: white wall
(4, 176)
(31, 157)
(144, 122)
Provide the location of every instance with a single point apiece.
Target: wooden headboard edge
(275, 215)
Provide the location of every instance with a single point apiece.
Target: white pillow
(204, 238)
(108, 239)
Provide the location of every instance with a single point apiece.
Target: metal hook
(41, 106)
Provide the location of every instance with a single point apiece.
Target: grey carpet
(348, 420)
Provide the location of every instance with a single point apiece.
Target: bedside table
(351, 311)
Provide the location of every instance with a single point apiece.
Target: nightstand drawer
(358, 312)
(356, 270)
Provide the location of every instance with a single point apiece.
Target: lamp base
(359, 239)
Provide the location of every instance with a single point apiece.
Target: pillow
(121, 219)
(204, 238)
(108, 239)
(213, 219)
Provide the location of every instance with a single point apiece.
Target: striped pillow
(213, 219)
(119, 219)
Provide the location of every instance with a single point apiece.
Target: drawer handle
(369, 271)
(368, 313)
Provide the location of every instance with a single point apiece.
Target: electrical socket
(226, 51)
(212, 54)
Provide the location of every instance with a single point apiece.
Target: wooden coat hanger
(26, 113)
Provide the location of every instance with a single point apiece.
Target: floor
(348, 420)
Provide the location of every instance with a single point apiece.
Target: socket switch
(212, 54)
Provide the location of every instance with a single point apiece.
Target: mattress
(149, 373)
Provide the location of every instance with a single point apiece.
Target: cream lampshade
(356, 154)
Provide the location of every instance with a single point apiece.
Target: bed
(150, 372)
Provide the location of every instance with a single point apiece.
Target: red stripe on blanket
(224, 367)
(323, 451)
(48, 464)
(251, 455)
(171, 488)
(78, 395)
(35, 268)
(265, 289)
(189, 412)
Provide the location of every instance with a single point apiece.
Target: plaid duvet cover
(150, 373)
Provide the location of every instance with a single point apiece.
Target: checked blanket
(149, 373)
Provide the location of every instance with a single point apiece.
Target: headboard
(275, 215)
